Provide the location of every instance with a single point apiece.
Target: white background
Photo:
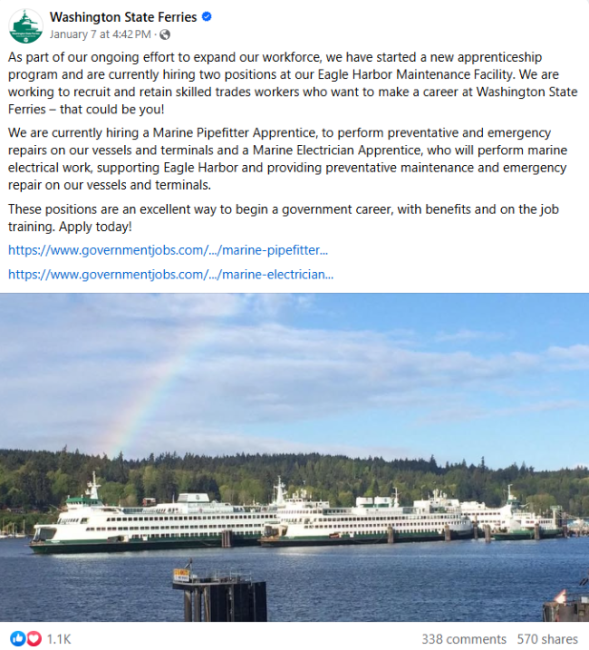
(367, 254)
(407, 254)
(96, 636)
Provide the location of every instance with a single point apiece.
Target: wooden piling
(487, 529)
(226, 539)
(537, 531)
(475, 530)
(447, 533)
(390, 535)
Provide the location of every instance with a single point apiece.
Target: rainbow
(160, 381)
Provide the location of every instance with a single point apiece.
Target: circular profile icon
(26, 26)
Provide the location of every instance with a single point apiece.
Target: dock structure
(574, 609)
(390, 535)
(487, 529)
(215, 599)
(537, 531)
(226, 539)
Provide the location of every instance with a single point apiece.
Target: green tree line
(40, 481)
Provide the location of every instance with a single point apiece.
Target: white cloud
(468, 335)
(466, 412)
(76, 367)
(573, 357)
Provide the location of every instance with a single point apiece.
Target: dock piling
(537, 531)
(487, 529)
(447, 533)
(221, 599)
(390, 535)
(197, 606)
(187, 607)
(226, 539)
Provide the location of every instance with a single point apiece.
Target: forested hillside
(42, 480)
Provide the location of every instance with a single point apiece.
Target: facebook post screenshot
(294, 311)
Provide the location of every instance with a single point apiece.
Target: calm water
(459, 581)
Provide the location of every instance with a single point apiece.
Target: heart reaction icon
(34, 638)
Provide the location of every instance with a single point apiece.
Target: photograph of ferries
(193, 521)
(154, 388)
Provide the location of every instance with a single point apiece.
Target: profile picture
(26, 26)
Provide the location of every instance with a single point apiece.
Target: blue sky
(457, 376)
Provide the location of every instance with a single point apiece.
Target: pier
(220, 598)
(574, 609)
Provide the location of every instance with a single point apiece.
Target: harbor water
(437, 581)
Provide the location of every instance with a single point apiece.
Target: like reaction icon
(34, 638)
(18, 639)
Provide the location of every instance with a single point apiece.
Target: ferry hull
(80, 546)
(359, 539)
(525, 534)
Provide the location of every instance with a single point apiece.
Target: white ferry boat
(192, 521)
(512, 521)
(303, 522)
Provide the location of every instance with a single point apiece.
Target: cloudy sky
(457, 376)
